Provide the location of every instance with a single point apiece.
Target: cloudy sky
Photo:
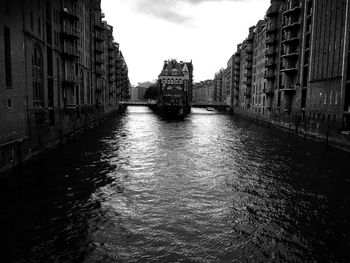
(204, 31)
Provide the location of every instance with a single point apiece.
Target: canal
(210, 188)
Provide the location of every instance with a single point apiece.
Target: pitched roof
(178, 68)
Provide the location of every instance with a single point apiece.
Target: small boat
(210, 109)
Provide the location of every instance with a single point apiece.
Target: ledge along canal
(210, 188)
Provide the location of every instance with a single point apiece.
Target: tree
(151, 93)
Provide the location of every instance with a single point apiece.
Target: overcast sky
(206, 31)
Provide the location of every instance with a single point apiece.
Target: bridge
(195, 104)
(137, 103)
(206, 104)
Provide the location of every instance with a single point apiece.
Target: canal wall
(43, 138)
(322, 130)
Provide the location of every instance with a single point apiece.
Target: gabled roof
(172, 67)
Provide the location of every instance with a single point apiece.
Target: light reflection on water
(209, 188)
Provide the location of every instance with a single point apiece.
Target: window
(8, 65)
(37, 78)
(9, 104)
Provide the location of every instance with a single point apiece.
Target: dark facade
(61, 72)
(219, 93)
(175, 88)
(228, 83)
(203, 92)
(259, 103)
(236, 78)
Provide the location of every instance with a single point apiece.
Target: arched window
(37, 60)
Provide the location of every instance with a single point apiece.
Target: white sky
(206, 31)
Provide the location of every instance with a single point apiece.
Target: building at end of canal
(61, 72)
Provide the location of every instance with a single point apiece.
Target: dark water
(206, 189)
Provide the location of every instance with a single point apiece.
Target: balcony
(249, 58)
(71, 53)
(249, 48)
(248, 73)
(248, 82)
(292, 25)
(98, 90)
(111, 47)
(291, 90)
(289, 70)
(271, 27)
(249, 65)
(289, 67)
(99, 26)
(293, 8)
(271, 40)
(99, 49)
(70, 32)
(111, 56)
(71, 14)
(270, 63)
(69, 81)
(99, 60)
(99, 36)
(271, 52)
(70, 106)
(99, 72)
(269, 89)
(269, 74)
(237, 60)
(291, 55)
(291, 40)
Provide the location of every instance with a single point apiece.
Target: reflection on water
(210, 188)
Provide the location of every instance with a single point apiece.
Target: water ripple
(206, 189)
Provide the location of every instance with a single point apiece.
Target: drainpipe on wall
(346, 44)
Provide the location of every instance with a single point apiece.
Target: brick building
(13, 99)
(61, 72)
(304, 45)
(219, 93)
(228, 84)
(259, 104)
(203, 91)
(236, 78)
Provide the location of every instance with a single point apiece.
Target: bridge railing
(153, 102)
